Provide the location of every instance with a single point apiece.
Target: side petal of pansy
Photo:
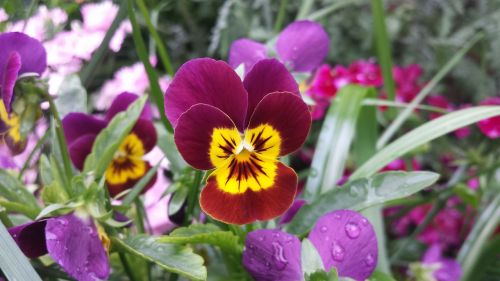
(209, 82)
(74, 244)
(272, 255)
(346, 240)
(30, 237)
(76, 125)
(146, 131)
(267, 76)
(80, 149)
(122, 102)
(247, 52)
(286, 115)
(242, 193)
(32, 53)
(9, 78)
(303, 45)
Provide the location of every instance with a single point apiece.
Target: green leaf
(488, 265)
(361, 194)
(178, 199)
(380, 276)
(14, 191)
(311, 260)
(139, 186)
(334, 141)
(204, 234)
(424, 134)
(45, 170)
(56, 208)
(14, 265)
(54, 193)
(71, 96)
(109, 139)
(322, 275)
(167, 145)
(172, 257)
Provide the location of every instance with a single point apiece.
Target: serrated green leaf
(322, 275)
(172, 257)
(109, 139)
(335, 140)
(14, 191)
(361, 194)
(71, 96)
(54, 193)
(204, 234)
(311, 260)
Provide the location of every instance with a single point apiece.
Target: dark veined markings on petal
(127, 163)
(245, 163)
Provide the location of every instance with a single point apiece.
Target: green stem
(38, 145)
(193, 195)
(127, 267)
(158, 42)
(383, 46)
(305, 9)
(140, 215)
(479, 235)
(281, 16)
(4, 218)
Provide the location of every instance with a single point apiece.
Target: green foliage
(360, 194)
(322, 275)
(14, 196)
(71, 96)
(310, 258)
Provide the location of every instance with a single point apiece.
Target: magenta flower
(72, 242)
(302, 46)
(407, 81)
(440, 102)
(344, 239)
(240, 129)
(128, 165)
(491, 126)
(447, 269)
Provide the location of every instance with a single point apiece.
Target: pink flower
(406, 79)
(3, 15)
(400, 165)
(491, 126)
(440, 102)
(366, 73)
(41, 24)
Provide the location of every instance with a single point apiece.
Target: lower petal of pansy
(273, 255)
(30, 237)
(12, 137)
(206, 136)
(346, 240)
(130, 180)
(231, 205)
(74, 244)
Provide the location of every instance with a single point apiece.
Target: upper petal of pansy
(30, 237)
(235, 197)
(75, 245)
(80, 148)
(267, 76)
(273, 255)
(31, 51)
(146, 131)
(346, 240)
(210, 82)
(285, 113)
(246, 51)
(9, 78)
(303, 45)
(76, 125)
(206, 136)
(122, 102)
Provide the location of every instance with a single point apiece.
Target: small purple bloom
(273, 255)
(448, 270)
(344, 239)
(302, 46)
(71, 241)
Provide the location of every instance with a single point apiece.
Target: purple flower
(447, 269)
(71, 241)
(128, 165)
(302, 46)
(344, 239)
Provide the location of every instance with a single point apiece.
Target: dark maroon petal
(210, 82)
(246, 51)
(9, 78)
(80, 149)
(267, 76)
(346, 240)
(272, 255)
(288, 114)
(303, 45)
(30, 237)
(76, 125)
(193, 133)
(288, 216)
(75, 245)
(146, 131)
(122, 102)
(31, 51)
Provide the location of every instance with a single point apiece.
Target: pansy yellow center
(127, 163)
(247, 161)
(11, 121)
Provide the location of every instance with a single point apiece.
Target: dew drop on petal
(337, 216)
(338, 252)
(364, 222)
(323, 229)
(352, 230)
(369, 260)
(261, 238)
(279, 259)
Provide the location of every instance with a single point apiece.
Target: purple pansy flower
(72, 242)
(447, 269)
(302, 46)
(128, 165)
(19, 54)
(344, 239)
